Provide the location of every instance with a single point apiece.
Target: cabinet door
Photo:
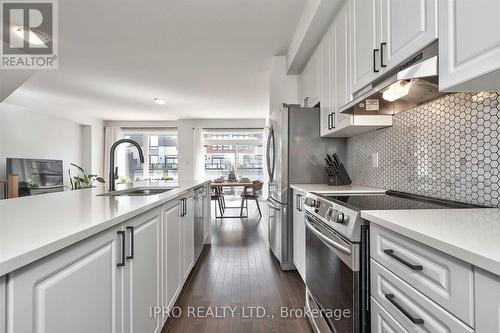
(342, 64)
(3, 303)
(78, 289)
(326, 83)
(487, 301)
(143, 272)
(171, 253)
(313, 80)
(469, 45)
(188, 232)
(365, 48)
(407, 27)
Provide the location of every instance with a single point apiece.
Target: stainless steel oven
(332, 278)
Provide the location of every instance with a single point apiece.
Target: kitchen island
(82, 262)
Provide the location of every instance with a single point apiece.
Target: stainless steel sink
(137, 192)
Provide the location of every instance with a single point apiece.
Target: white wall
(30, 134)
(186, 139)
(283, 88)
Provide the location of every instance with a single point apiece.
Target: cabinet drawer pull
(121, 233)
(375, 70)
(329, 121)
(391, 254)
(382, 45)
(131, 229)
(416, 321)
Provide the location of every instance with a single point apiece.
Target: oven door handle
(327, 240)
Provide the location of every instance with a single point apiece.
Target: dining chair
(256, 192)
(217, 197)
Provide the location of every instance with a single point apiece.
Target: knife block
(341, 178)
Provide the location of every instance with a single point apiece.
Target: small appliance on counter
(37, 176)
(337, 174)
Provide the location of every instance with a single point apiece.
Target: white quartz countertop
(472, 235)
(347, 189)
(34, 227)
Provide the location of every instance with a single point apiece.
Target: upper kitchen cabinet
(341, 53)
(407, 27)
(469, 45)
(326, 85)
(311, 81)
(386, 33)
(366, 29)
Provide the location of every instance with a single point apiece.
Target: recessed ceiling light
(160, 101)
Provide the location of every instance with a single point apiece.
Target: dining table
(244, 185)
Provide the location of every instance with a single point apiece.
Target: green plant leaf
(78, 167)
(100, 180)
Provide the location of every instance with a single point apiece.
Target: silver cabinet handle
(327, 240)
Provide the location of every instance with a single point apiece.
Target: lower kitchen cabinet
(109, 282)
(299, 234)
(3, 303)
(78, 289)
(142, 289)
(171, 252)
(487, 301)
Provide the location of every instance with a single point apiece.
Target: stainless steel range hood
(410, 84)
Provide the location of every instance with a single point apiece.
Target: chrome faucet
(113, 172)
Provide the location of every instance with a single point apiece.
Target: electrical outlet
(375, 160)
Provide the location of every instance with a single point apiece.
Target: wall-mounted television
(37, 176)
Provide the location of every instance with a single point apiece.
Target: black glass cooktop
(396, 200)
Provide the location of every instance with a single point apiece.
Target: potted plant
(83, 179)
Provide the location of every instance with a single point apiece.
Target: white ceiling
(208, 58)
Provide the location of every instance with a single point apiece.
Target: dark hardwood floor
(239, 271)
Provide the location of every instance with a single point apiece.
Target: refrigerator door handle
(270, 145)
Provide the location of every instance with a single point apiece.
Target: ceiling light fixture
(35, 37)
(160, 101)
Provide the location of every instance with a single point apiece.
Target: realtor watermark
(256, 312)
(29, 31)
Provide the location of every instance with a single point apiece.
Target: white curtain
(199, 156)
(111, 135)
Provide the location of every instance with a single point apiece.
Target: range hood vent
(410, 84)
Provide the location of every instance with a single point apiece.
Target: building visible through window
(160, 154)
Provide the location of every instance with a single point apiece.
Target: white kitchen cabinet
(143, 272)
(408, 26)
(299, 234)
(341, 65)
(385, 33)
(366, 30)
(3, 303)
(78, 289)
(469, 45)
(312, 77)
(187, 231)
(487, 301)
(171, 252)
(326, 85)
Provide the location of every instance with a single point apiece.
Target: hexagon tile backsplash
(447, 148)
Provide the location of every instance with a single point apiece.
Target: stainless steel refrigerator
(295, 154)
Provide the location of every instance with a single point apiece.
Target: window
(238, 150)
(160, 156)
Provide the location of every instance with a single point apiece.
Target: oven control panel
(336, 216)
